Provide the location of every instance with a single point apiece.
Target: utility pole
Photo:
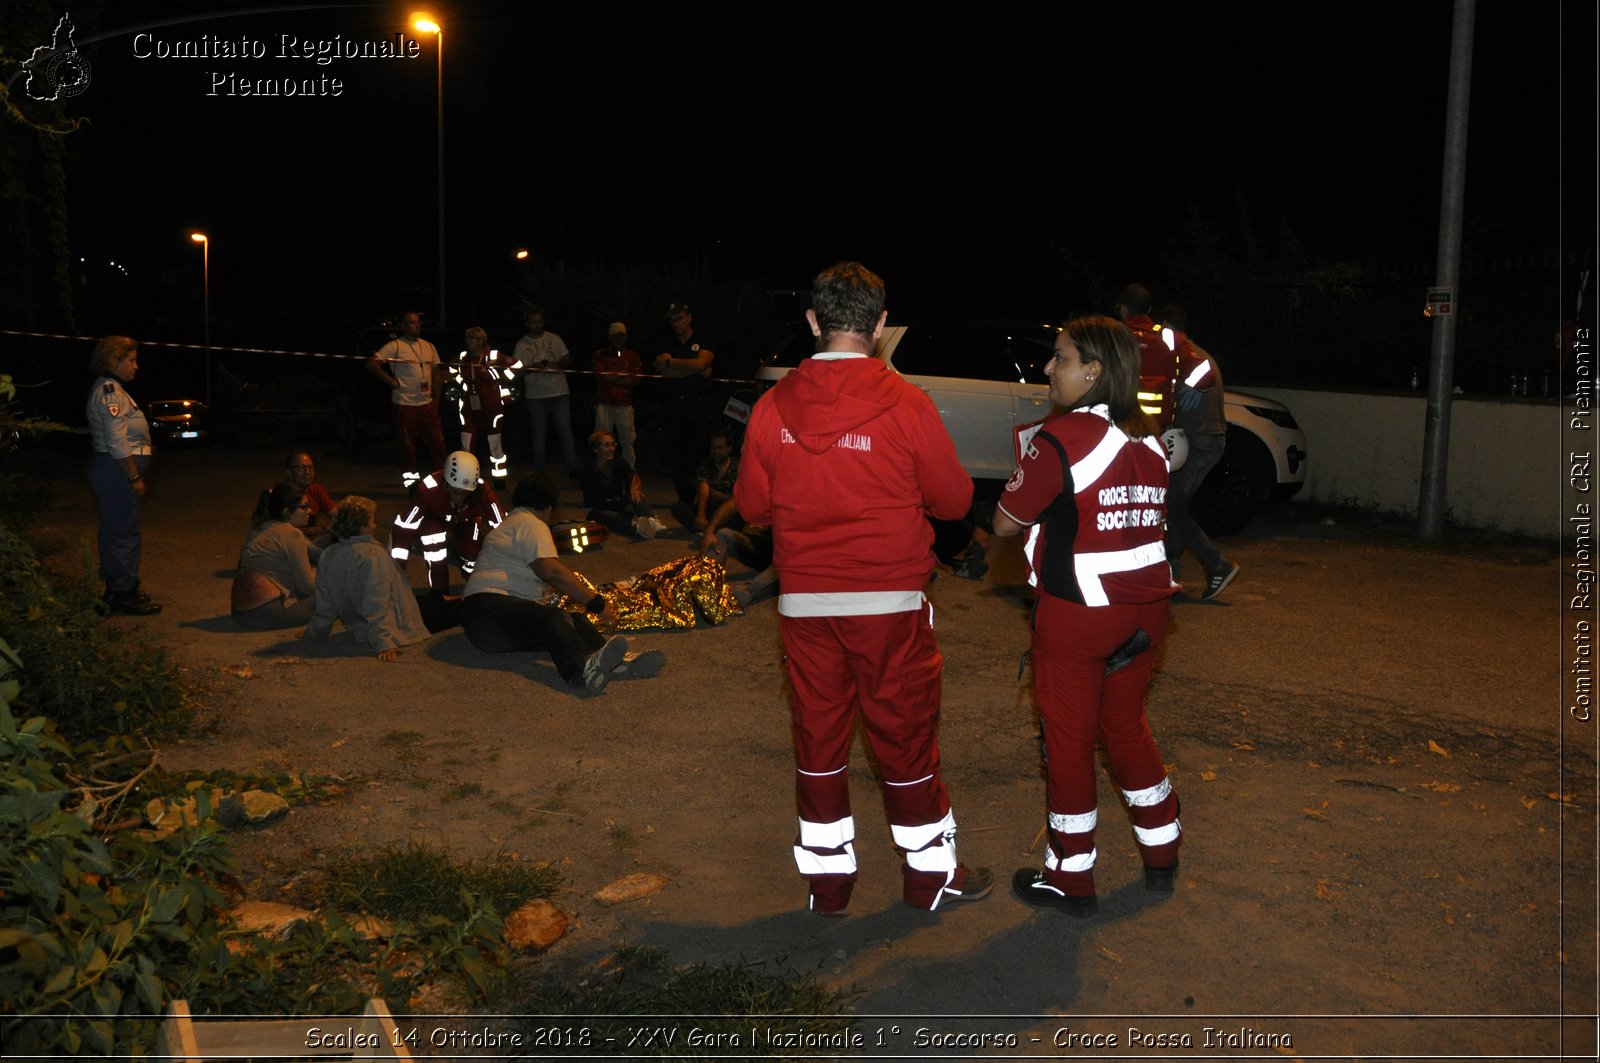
(1453, 191)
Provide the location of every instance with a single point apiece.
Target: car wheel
(1227, 500)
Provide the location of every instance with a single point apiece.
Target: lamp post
(205, 258)
(425, 23)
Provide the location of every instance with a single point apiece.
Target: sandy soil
(1384, 831)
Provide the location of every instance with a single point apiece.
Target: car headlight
(1281, 418)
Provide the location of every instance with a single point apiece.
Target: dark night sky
(964, 154)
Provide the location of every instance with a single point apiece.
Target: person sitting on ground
(450, 513)
(273, 585)
(613, 491)
(301, 471)
(713, 486)
(508, 603)
(358, 584)
(726, 534)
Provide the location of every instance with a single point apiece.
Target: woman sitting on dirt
(359, 584)
(273, 585)
(613, 491)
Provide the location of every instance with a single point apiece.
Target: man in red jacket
(846, 461)
(1171, 374)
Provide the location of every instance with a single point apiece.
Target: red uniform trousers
(1078, 702)
(414, 426)
(485, 424)
(891, 665)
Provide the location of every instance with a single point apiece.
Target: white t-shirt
(506, 560)
(538, 355)
(411, 362)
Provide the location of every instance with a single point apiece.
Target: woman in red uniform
(1090, 489)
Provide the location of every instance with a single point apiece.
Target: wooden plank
(371, 1035)
(176, 1040)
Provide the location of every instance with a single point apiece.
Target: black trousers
(501, 623)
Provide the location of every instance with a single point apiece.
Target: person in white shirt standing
(410, 366)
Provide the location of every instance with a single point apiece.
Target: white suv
(986, 379)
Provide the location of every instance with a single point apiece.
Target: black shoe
(976, 884)
(129, 603)
(972, 564)
(1124, 654)
(1030, 888)
(1217, 582)
(1160, 879)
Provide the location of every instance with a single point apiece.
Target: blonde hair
(108, 350)
(352, 515)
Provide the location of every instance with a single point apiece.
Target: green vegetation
(92, 680)
(416, 881)
(721, 998)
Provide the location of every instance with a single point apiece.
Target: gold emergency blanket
(669, 597)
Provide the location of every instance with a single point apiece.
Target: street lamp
(425, 23)
(205, 249)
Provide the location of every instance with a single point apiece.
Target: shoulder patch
(108, 388)
(113, 409)
(1015, 483)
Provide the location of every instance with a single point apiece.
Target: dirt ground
(1388, 841)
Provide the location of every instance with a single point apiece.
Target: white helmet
(1177, 444)
(461, 470)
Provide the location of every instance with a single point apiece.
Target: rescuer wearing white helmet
(450, 513)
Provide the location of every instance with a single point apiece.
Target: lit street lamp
(205, 248)
(425, 23)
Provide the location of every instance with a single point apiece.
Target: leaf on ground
(339, 743)
(1434, 747)
(1441, 787)
(1208, 776)
(1314, 813)
(1528, 802)
(1243, 745)
(243, 671)
(1565, 799)
(1108, 954)
(1323, 892)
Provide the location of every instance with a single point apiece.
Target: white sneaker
(597, 668)
(646, 527)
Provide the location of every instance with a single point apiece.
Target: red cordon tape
(310, 354)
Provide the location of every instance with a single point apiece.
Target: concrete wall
(1507, 466)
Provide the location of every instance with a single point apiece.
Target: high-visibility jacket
(1166, 359)
(433, 524)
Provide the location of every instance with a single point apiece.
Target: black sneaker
(129, 603)
(1160, 879)
(1030, 887)
(1217, 582)
(976, 884)
(1124, 654)
(972, 564)
(597, 668)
